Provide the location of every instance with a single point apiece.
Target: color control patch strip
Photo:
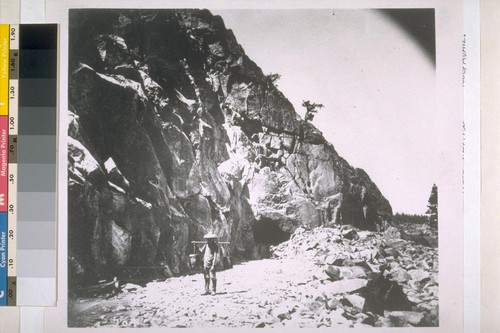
(28, 113)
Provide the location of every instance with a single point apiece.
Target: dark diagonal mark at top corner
(420, 25)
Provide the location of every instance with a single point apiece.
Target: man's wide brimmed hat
(210, 235)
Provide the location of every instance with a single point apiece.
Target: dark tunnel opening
(267, 231)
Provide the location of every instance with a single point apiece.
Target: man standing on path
(210, 250)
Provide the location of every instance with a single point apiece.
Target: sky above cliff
(376, 78)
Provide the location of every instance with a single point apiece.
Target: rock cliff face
(175, 131)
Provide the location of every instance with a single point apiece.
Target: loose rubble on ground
(324, 277)
(374, 278)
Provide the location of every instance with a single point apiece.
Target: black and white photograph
(254, 168)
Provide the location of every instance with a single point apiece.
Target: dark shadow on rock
(383, 294)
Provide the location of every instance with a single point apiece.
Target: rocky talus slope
(380, 271)
(175, 131)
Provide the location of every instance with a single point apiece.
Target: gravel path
(263, 293)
